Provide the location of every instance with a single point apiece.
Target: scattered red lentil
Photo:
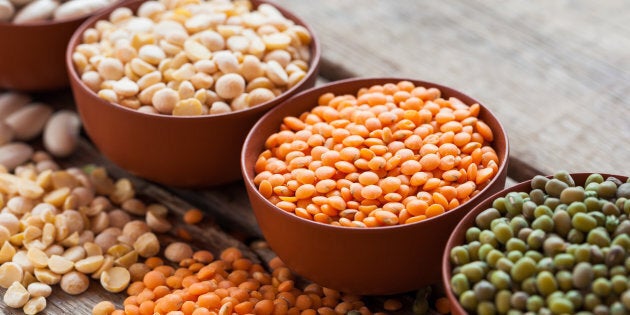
(232, 284)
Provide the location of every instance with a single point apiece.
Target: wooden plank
(206, 235)
(555, 73)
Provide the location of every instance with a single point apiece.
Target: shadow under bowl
(380, 260)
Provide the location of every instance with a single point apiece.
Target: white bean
(61, 134)
(14, 154)
(38, 10)
(28, 122)
(77, 8)
(6, 10)
(11, 101)
(6, 133)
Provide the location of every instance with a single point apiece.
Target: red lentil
(233, 284)
(386, 144)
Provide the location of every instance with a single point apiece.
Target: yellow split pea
(191, 58)
(393, 154)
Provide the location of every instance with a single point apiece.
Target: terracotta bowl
(178, 151)
(32, 57)
(458, 236)
(380, 260)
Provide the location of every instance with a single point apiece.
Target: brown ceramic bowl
(458, 236)
(381, 260)
(32, 57)
(178, 151)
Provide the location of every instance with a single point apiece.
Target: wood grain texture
(205, 235)
(556, 73)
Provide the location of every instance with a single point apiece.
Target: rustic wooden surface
(556, 73)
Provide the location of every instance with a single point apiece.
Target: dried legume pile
(189, 58)
(557, 249)
(231, 284)
(22, 120)
(36, 11)
(65, 226)
(391, 154)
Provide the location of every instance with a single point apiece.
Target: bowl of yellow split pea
(171, 88)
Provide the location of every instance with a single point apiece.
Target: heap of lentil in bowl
(391, 154)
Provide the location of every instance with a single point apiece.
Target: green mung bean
(546, 283)
(572, 194)
(502, 301)
(459, 284)
(594, 178)
(607, 189)
(502, 232)
(537, 196)
(565, 177)
(486, 308)
(535, 303)
(599, 237)
(468, 300)
(544, 223)
(539, 182)
(552, 202)
(561, 306)
(459, 255)
(472, 234)
(561, 222)
(558, 249)
(554, 187)
(523, 269)
(484, 218)
(500, 279)
(519, 300)
(583, 222)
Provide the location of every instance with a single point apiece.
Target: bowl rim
(48, 23)
(103, 14)
(468, 221)
(247, 146)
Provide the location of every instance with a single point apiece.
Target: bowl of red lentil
(168, 90)
(357, 184)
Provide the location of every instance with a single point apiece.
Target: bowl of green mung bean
(558, 244)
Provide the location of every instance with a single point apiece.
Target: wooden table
(556, 73)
